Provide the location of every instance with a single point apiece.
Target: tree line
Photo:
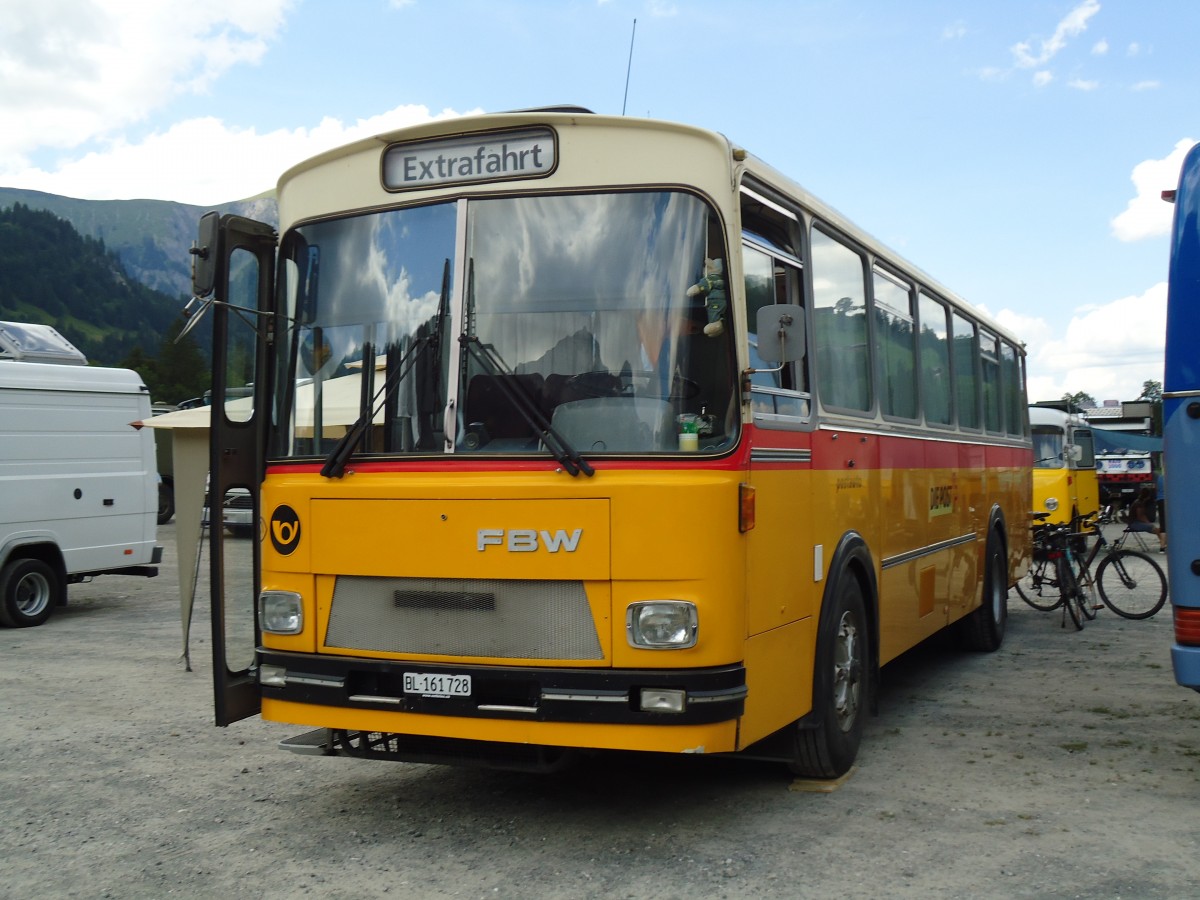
(52, 275)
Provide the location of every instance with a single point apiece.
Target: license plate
(428, 684)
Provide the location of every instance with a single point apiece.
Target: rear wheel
(826, 743)
(1039, 588)
(29, 591)
(983, 629)
(166, 503)
(1132, 584)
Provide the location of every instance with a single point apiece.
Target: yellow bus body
(760, 536)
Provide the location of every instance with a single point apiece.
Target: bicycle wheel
(1085, 592)
(1039, 588)
(1132, 584)
(1069, 591)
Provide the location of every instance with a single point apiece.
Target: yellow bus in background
(1065, 483)
(576, 432)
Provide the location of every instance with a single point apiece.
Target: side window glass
(1014, 396)
(935, 362)
(840, 323)
(894, 346)
(770, 280)
(965, 383)
(989, 357)
(760, 291)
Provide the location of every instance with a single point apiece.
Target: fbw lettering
(528, 540)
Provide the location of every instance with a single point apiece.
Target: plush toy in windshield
(711, 286)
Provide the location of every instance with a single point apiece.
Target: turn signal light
(1187, 625)
(745, 507)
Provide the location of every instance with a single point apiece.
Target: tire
(1039, 588)
(827, 740)
(29, 591)
(1131, 584)
(1070, 592)
(983, 628)
(166, 503)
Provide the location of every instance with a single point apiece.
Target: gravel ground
(1065, 765)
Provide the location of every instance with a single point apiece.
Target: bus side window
(840, 324)
(936, 396)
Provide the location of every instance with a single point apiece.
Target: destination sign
(527, 153)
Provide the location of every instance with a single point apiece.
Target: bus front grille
(520, 619)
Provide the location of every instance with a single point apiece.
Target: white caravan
(78, 485)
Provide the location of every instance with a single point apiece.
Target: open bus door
(233, 275)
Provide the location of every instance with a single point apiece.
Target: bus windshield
(1048, 444)
(479, 325)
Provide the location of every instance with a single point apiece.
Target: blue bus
(1181, 422)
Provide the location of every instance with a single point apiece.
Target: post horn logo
(285, 530)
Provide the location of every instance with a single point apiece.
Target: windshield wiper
(335, 463)
(516, 394)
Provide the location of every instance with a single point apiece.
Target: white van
(78, 485)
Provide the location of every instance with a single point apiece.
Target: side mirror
(204, 255)
(1074, 452)
(780, 333)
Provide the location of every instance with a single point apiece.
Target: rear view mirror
(204, 255)
(780, 332)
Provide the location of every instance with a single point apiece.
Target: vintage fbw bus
(581, 432)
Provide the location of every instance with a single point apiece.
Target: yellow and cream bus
(1065, 483)
(574, 432)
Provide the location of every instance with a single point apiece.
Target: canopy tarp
(1109, 441)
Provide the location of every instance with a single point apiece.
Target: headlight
(280, 612)
(1051, 503)
(662, 624)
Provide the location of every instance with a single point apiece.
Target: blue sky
(1015, 150)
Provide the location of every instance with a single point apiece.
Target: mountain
(150, 237)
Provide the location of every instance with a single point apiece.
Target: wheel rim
(32, 594)
(847, 672)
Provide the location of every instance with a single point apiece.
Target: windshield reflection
(583, 300)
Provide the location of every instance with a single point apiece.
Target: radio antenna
(629, 67)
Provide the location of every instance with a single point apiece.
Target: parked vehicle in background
(78, 485)
(1121, 476)
(1181, 422)
(1064, 464)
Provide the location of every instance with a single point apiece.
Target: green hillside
(151, 237)
(50, 273)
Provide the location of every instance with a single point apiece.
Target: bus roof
(570, 117)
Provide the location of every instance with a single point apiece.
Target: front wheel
(1070, 592)
(29, 591)
(1132, 584)
(826, 743)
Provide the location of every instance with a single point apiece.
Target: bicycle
(1129, 582)
(1052, 580)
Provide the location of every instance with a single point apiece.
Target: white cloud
(1081, 84)
(1074, 23)
(204, 161)
(954, 31)
(1150, 85)
(1147, 215)
(1107, 351)
(1043, 78)
(75, 70)
(1100, 47)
